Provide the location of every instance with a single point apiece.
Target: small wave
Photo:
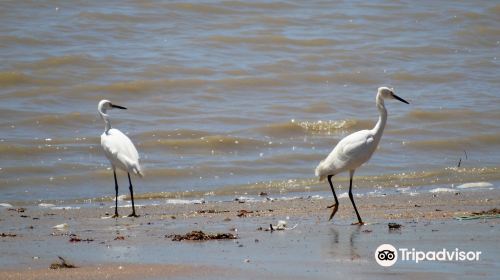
(46, 205)
(290, 158)
(163, 70)
(60, 61)
(325, 126)
(284, 198)
(120, 17)
(330, 126)
(479, 30)
(475, 185)
(259, 5)
(46, 146)
(318, 107)
(442, 190)
(26, 170)
(12, 78)
(184, 201)
(353, 78)
(120, 198)
(442, 115)
(17, 78)
(59, 120)
(280, 130)
(144, 85)
(246, 199)
(281, 186)
(428, 78)
(458, 144)
(65, 207)
(252, 82)
(376, 193)
(277, 21)
(339, 78)
(128, 206)
(473, 15)
(206, 143)
(170, 173)
(174, 196)
(343, 195)
(13, 149)
(203, 8)
(422, 50)
(272, 40)
(173, 134)
(8, 40)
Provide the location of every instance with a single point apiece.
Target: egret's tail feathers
(318, 172)
(138, 171)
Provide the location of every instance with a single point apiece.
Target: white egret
(355, 149)
(120, 151)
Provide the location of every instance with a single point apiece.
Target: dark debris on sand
(198, 235)
(62, 264)
(18, 210)
(211, 211)
(243, 213)
(394, 226)
(74, 238)
(493, 211)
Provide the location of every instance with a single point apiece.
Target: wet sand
(130, 248)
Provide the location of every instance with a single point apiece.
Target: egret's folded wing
(123, 145)
(356, 146)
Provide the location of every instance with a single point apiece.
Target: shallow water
(229, 97)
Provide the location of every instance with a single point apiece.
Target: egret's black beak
(400, 99)
(118, 107)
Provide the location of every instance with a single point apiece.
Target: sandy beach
(310, 247)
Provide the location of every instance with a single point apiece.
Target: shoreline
(140, 243)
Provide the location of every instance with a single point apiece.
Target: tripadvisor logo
(387, 255)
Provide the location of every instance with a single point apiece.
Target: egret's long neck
(105, 117)
(379, 127)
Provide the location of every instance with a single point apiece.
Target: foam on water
(438, 190)
(184, 201)
(46, 205)
(475, 185)
(65, 207)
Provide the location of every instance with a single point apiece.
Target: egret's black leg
(336, 205)
(116, 196)
(131, 197)
(360, 222)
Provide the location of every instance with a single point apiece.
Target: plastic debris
(282, 225)
(61, 226)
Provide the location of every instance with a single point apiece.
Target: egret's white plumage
(350, 153)
(119, 150)
(355, 149)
